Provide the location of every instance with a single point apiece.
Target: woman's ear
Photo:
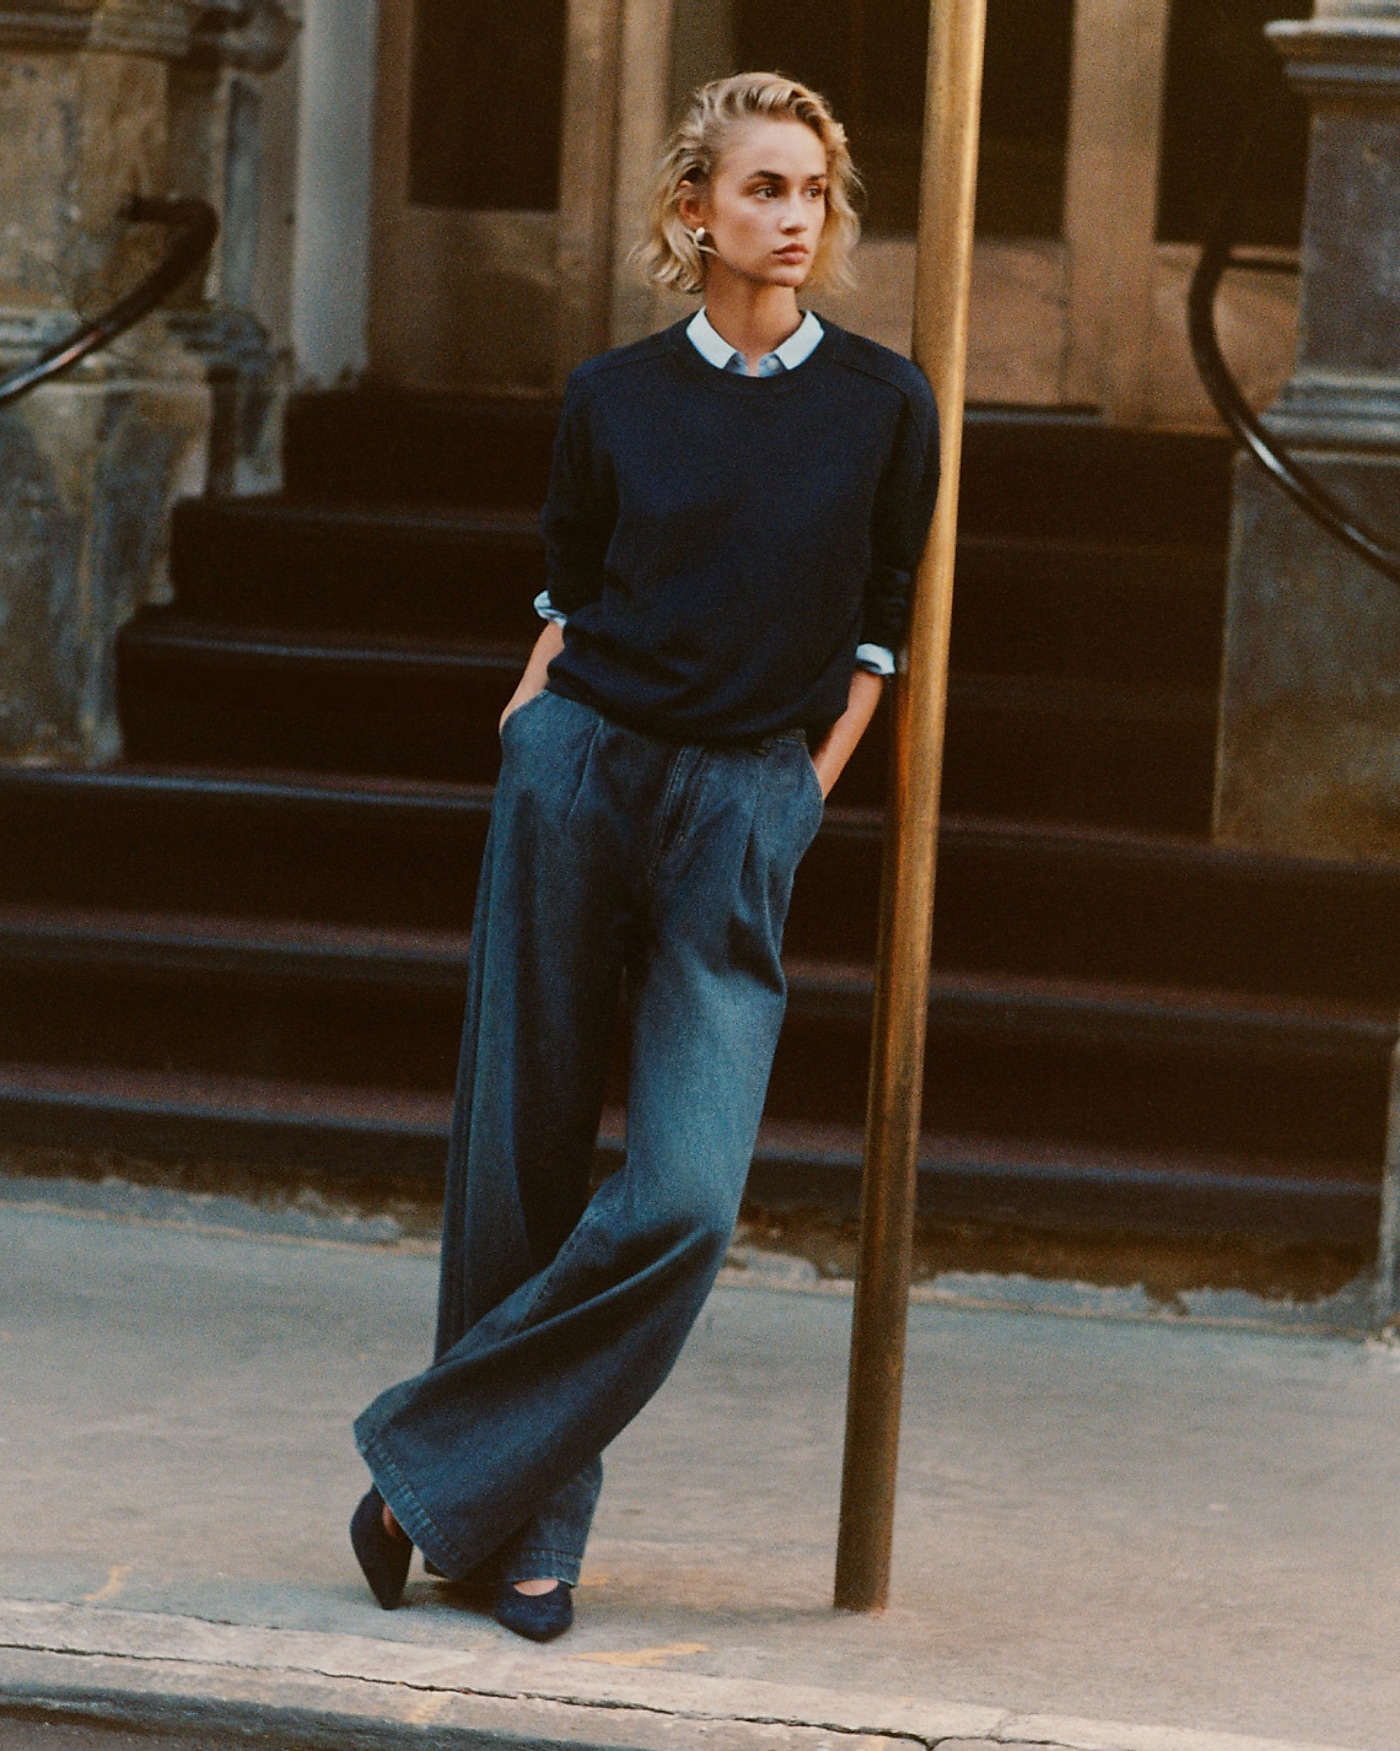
(689, 207)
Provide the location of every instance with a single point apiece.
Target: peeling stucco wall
(89, 474)
(94, 94)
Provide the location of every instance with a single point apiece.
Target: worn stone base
(1309, 752)
(88, 474)
(151, 1673)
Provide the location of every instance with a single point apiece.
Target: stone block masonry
(95, 97)
(1309, 754)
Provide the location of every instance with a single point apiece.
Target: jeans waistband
(759, 745)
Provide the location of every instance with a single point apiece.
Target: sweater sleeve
(900, 520)
(579, 512)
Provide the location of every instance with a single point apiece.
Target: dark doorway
(1220, 69)
(486, 104)
(868, 57)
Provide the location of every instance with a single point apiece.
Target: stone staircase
(249, 942)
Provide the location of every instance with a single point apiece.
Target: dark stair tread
(1053, 473)
(162, 634)
(1022, 1181)
(1171, 856)
(429, 1113)
(1063, 554)
(844, 1145)
(290, 1127)
(373, 443)
(1038, 472)
(1184, 853)
(357, 1131)
(316, 516)
(245, 1097)
(1035, 897)
(239, 695)
(150, 783)
(1070, 553)
(1113, 1014)
(1091, 701)
(384, 569)
(1103, 609)
(246, 947)
(163, 631)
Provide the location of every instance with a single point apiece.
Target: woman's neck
(754, 319)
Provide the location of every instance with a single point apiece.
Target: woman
(735, 511)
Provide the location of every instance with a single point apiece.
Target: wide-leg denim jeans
(615, 862)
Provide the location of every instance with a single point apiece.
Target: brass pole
(946, 209)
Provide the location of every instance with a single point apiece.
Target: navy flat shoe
(539, 1617)
(382, 1555)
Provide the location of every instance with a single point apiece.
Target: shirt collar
(711, 345)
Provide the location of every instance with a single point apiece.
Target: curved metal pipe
(1274, 458)
(187, 251)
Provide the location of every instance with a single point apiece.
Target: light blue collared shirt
(794, 351)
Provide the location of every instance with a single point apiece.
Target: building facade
(430, 194)
(511, 151)
(254, 642)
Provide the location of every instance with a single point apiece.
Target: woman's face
(765, 206)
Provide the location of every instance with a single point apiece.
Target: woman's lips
(794, 252)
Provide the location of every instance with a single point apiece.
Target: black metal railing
(198, 227)
(1217, 255)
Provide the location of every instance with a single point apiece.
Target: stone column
(585, 247)
(1309, 756)
(1120, 58)
(89, 466)
(643, 123)
(215, 128)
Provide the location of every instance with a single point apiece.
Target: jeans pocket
(523, 707)
(805, 804)
(813, 779)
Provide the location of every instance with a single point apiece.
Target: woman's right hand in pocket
(513, 704)
(547, 647)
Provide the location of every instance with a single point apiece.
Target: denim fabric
(551, 1541)
(615, 862)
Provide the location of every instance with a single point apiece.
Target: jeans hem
(410, 1512)
(542, 1565)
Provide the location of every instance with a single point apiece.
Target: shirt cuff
(547, 611)
(875, 659)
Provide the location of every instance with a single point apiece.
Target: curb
(177, 1674)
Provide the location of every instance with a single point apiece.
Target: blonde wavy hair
(668, 253)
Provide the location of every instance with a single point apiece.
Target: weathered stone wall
(1310, 704)
(88, 474)
(91, 465)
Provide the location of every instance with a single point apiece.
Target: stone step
(1024, 472)
(382, 1134)
(1092, 610)
(229, 696)
(1085, 609)
(1013, 896)
(390, 570)
(376, 446)
(1068, 1061)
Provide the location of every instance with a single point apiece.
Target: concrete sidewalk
(1187, 1532)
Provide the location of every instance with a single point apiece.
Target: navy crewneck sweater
(722, 543)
